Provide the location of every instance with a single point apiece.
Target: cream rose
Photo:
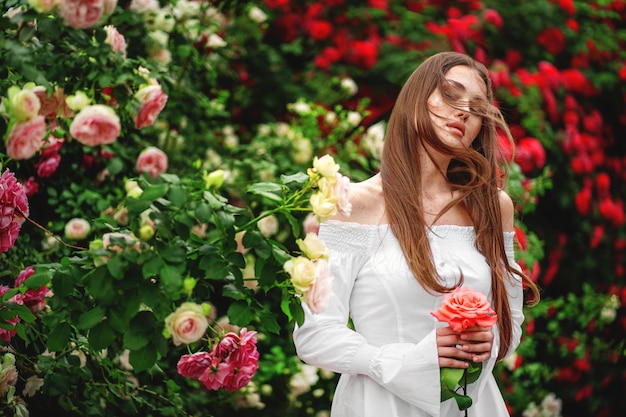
(326, 166)
(24, 103)
(312, 246)
(187, 324)
(268, 226)
(77, 229)
(302, 271)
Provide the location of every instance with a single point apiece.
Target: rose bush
(240, 97)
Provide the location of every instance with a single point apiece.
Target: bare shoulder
(368, 206)
(507, 209)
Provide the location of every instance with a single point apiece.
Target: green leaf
(100, 286)
(101, 336)
(178, 196)
(139, 333)
(231, 291)
(174, 254)
(143, 359)
(473, 372)
(90, 318)
(153, 192)
(39, 279)
(171, 278)
(240, 314)
(117, 266)
(59, 337)
(135, 205)
(255, 240)
(463, 401)
(268, 320)
(269, 190)
(298, 178)
(203, 212)
(63, 284)
(450, 377)
(152, 267)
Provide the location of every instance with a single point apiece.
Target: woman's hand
(456, 349)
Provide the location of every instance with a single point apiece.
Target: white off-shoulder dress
(388, 364)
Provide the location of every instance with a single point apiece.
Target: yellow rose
(312, 246)
(324, 202)
(326, 166)
(303, 273)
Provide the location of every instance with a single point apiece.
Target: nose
(462, 112)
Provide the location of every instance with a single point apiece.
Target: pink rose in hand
(465, 307)
(96, 125)
(153, 161)
(152, 101)
(26, 138)
(81, 14)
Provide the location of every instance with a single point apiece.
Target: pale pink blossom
(77, 229)
(127, 240)
(187, 324)
(152, 101)
(81, 14)
(193, 366)
(318, 296)
(152, 161)
(8, 373)
(109, 6)
(96, 125)
(33, 384)
(311, 224)
(26, 138)
(116, 40)
(342, 192)
(144, 6)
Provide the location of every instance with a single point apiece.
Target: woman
(434, 218)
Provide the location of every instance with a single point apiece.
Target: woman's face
(456, 126)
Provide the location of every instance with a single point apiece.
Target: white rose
(257, 15)
(325, 166)
(77, 229)
(268, 226)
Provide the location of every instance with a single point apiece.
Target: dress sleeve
(325, 340)
(515, 291)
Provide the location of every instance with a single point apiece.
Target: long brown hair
(476, 173)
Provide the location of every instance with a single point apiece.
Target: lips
(457, 128)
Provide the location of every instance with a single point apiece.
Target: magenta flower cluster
(231, 363)
(33, 298)
(13, 209)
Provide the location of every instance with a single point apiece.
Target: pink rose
(318, 296)
(153, 161)
(51, 147)
(240, 378)
(26, 138)
(81, 14)
(8, 236)
(96, 125)
(193, 366)
(116, 40)
(48, 166)
(152, 102)
(187, 324)
(33, 298)
(465, 307)
(216, 375)
(128, 241)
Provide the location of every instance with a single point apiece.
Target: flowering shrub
(152, 148)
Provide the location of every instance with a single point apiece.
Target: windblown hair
(476, 173)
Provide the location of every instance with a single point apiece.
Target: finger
(452, 363)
